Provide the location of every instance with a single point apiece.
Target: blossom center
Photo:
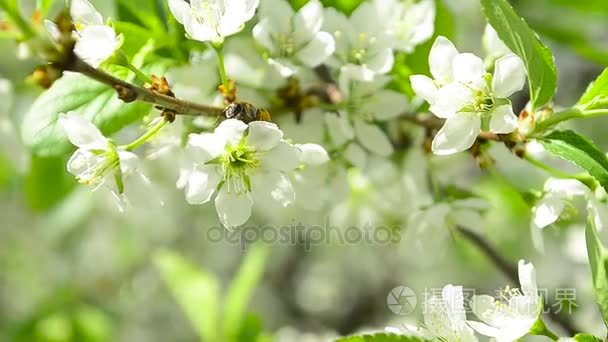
(286, 44)
(484, 102)
(239, 163)
(359, 52)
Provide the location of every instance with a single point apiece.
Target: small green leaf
(580, 151)
(241, 289)
(586, 338)
(519, 37)
(196, 291)
(597, 91)
(381, 337)
(598, 263)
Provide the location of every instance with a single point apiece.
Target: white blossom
(493, 46)
(469, 98)
(242, 164)
(293, 39)
(213, 20)
(511, 316)
(558, 193)
(408, 23)
(96, 41)
(98, 161)
(312, 177)
(363, 49)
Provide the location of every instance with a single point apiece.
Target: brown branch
(129, 92)
(510, 271)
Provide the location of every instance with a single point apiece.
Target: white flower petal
(283, 157)
(205, 146)
(180, 10)
(483, 306)
(317, 50)
(232, 130)
(450, 99)
(373, 138)
(81, 163)
(441, 57)
(469, 69)
(485, 329)
(308, 21)
(82, 133)
(503, 120)
(493, 46)
(272, 186)
(454, 298)
(263, 135)
(53, 30)
(312, 154)
(262, 34)
(509, 76)
(96, 44)
(83, 12)
(385, 105)
(382, 62)
(565, 187)
(548, 210)
(527, 278)
(202, 183)
(355, 155)
(340, 129)
(598, 212)
(457, 134)
(424, 87)
(129, 162)
(233, 209)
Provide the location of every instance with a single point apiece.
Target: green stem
(540, 329)
(582, 177)
(220, 64)
(123, 61)
(146, 136)
(13, 13)
(568, 114)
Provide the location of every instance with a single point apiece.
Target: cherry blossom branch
(129, 92)
(510, 271)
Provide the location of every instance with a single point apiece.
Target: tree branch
(129, 92)
(510, 271)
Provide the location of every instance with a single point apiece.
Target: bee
(246, 112)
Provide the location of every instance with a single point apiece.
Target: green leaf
(580, 151)
(599, 266)
(519, 37)
(196, 291)
(597, 91)
(86, 97)
(586, 338)
(241, 289)
(47, 182)
(381, 337)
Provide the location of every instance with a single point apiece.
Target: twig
(129, 92)
(510, 271)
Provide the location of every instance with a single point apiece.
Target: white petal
(483, 306)
(83, 12)
(53, 30)
(318, 50)
(312, 154)
(373, 138)
(509, 76)
(352, 72)
(278, 14)
(82, 133)
(340, 129)
(96, 44)
(565, 187)
(202, 183)
(263, 135)
(492, 44)
(424, 87)
(450, 99)
(308, 21)
(469, 69)
(548, 210)
(423, 14)
(205, 146)
(485, 329)
(355, 155)
(233, 209)
(81, 163)
(180, 10)
(527, 278)
(262, 34)
(503, 120)
(283, 157)
(598, 212)
(232, 130)
(441, 56)
(272, 186)
(454, 298)
(382, 62)
(457, 134)
(384, 105)
(129, 162)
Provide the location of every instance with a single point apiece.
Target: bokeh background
(74, 268)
